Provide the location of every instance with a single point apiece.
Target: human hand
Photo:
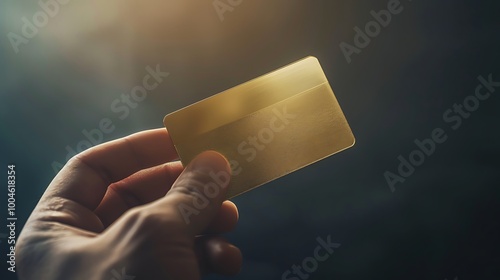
(117, 209)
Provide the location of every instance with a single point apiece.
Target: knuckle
(196, 185)
(152, 224)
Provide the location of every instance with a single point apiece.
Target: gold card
(267, 127)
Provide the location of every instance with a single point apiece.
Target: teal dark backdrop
(440, 223)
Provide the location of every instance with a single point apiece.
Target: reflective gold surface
(267, 127)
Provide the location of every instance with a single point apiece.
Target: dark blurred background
(441, 223)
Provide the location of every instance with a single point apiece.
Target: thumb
(199, 192)
(161, 235)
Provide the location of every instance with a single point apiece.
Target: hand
(123, 209)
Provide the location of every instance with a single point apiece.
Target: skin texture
(115, 210)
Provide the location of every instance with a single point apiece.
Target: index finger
(87, 176)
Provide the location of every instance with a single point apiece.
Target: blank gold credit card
(267, 127)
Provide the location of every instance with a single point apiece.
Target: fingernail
(213, 164)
